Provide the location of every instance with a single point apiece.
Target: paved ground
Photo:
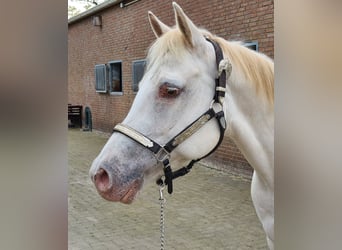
(209, 209)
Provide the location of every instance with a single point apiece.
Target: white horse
(177, 88)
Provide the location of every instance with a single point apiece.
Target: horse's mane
(256, 67)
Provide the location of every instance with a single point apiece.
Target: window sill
(116, 93)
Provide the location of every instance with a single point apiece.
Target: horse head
(177, 87)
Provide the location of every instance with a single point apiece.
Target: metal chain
(162, 218)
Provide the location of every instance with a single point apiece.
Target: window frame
(120, 92)
(248, 44)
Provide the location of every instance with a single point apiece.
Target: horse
(168, 123)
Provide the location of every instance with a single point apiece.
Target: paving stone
(209, 209)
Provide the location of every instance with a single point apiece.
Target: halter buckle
(162, 155)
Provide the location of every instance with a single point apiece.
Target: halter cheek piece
(162, 153)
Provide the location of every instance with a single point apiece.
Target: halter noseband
(162, 153)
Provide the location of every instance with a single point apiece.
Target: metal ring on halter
(162, 154)
(218, 109)
(214, 105)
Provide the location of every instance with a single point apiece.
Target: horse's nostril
(102, 180)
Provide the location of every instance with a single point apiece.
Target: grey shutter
(100, 78)
(138, 73)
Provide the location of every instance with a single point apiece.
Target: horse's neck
(250, 124)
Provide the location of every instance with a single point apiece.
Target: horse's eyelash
(170, 85)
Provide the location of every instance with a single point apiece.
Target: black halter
(162, 153)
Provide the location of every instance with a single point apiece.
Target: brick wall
(125, 35)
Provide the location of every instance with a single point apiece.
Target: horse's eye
(168, 91)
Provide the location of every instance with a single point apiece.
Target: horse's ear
(158, 27)
(187, 27)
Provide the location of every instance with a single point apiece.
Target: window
(252, 45)
(138, 73)
(115, 77)
(100, 78)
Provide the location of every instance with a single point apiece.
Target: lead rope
(162, 218)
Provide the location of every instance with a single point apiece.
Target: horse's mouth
(126, 197)
(116, 192)
(130, 195)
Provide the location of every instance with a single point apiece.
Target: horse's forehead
(176, 60)
(169, 47)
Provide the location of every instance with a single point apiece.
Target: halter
(162, 153)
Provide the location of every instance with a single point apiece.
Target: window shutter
(138, 73)
(100, 78)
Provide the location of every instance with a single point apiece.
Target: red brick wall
(125, 35)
